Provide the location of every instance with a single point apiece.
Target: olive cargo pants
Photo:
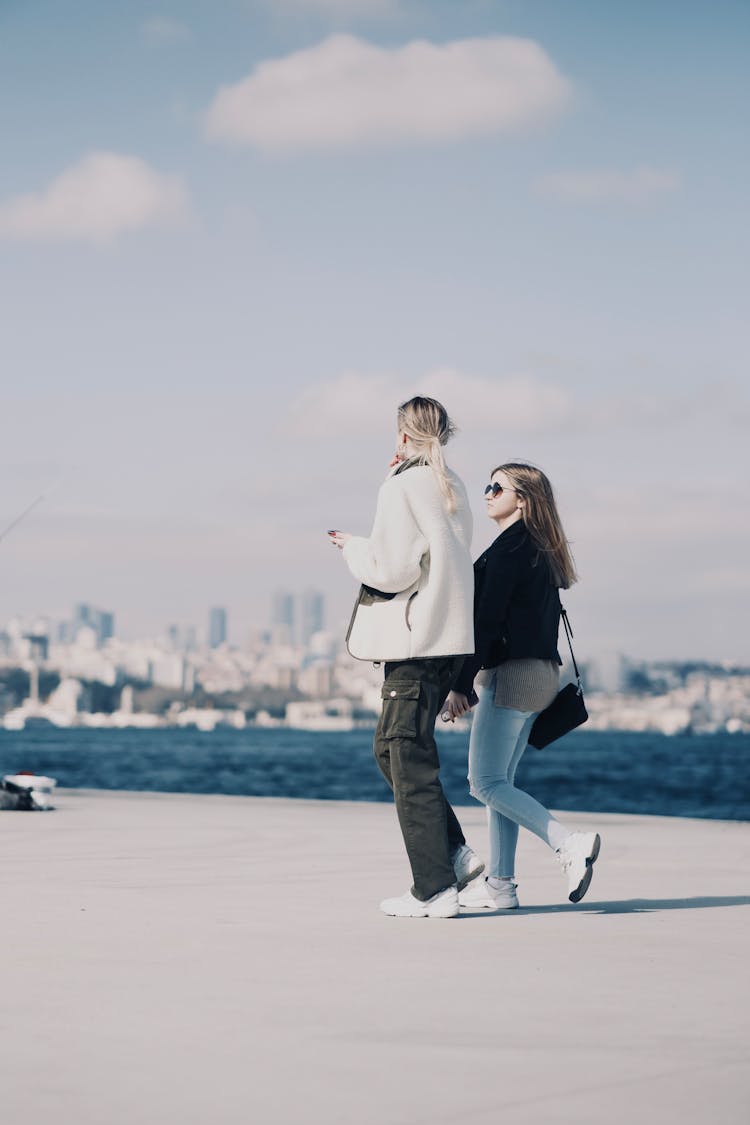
(405, 750)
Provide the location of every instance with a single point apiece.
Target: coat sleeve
(490, 611)
(389, 560)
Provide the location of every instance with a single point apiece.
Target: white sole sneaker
(481, 896)
(578, 859)
(442, 905)
(467, 865)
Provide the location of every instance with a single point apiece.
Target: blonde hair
(426, 423)
(542, 519)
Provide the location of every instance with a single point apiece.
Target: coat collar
(509, 540)
(511, 534)
(409, 463)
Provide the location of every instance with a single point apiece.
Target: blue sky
(212, 303)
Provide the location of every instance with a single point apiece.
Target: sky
(235, 235)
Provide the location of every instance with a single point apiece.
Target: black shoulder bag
(566, 711)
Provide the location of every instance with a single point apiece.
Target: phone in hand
(472, 699)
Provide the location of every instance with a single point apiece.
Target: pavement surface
(220, 960)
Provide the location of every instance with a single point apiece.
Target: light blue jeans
(499, 736)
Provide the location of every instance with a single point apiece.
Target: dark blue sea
(685, 775)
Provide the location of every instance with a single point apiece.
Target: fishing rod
(22, 516)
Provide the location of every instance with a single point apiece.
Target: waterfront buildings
(44, 677)
(296, 618)
(217, 627)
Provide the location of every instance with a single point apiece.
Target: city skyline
(43, 630)
(83, 678)
(302, 613)
(221, 279)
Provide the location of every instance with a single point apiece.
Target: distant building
(283, 618)
(607, 672)
(217, 627)
(88, 617)
(316, 680)
(296, 618)
(105, 626)
(312, 615)
(257, 639)
(81, 615)
(38, 646)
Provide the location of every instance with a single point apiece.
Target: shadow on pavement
(627, 906)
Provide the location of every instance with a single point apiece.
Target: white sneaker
(442, 905)
(466, 864)
(482, 896)
(577, 857)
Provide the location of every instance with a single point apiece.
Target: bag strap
(569, 634)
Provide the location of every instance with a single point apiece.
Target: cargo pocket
(400, 707)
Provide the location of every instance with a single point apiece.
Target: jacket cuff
(464, 683)
(352, 553)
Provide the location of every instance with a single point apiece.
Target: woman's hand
(339, 538)
(455, 706)
(399, 455)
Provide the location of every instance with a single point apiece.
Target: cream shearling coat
(420, 553)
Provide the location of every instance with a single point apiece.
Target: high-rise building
(82, 614)
(217, 627)
(283, 618)
(87, 616)
(312, 613)
(283, 609)
(105, 626)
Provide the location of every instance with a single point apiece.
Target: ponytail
(434, 457)
(427, 425)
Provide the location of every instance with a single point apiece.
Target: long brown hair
(542, 519)
(426, 423)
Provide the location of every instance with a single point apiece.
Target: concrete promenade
(221, 960)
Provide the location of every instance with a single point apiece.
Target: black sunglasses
(496, 489)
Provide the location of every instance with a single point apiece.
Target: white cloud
(635, 186)
(345, 91)
(519, 403)
(102, 196)
(349, 404)
(356, 406)
(158, 31)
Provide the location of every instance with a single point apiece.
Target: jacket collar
(512, 533)
(409, 463)
(509, 540)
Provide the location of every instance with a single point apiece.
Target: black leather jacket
(516, 605)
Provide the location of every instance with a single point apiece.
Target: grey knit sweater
(526, 684)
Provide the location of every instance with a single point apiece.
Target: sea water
(684, 775)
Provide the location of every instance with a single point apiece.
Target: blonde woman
(516, 621)
(414, 614)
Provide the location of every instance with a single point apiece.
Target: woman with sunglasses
(516, 621)
(414, 613)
